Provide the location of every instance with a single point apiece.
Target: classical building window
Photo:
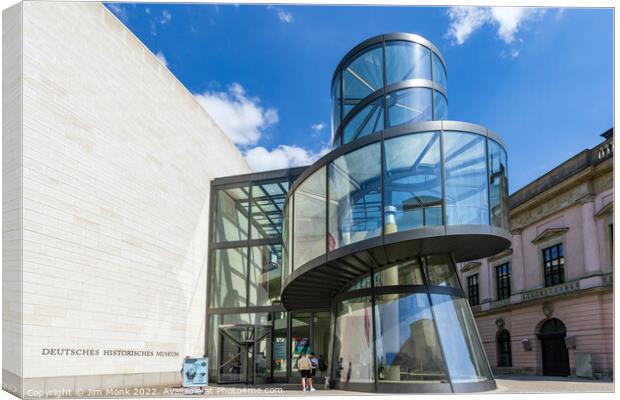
(502, 279)
(553, 264)
(504, 350)
(472, 290)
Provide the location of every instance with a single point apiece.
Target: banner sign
(195, 372)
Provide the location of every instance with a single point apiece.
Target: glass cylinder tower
(374, 229)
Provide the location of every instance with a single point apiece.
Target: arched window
(504, 349)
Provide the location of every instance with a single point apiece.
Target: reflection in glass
(300, 337)
(409, 105)
(336, 103)
(440, 271)
(466, 179)
(265, 280)
(320, 336)
(309, 225)
(368, 120)
(355, 196)
(362, 283)
(407, 60)
(213, 345)
(267, 203)
(465, 357)
(405, 273)
(231, 214)
(280, 344)
(441, 107)
(353, 349)
(412, 182)
(439, 72)
(363, 76)
(407, 346)
(498, 185)
(228, 282)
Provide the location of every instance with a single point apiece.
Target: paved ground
(547, 384)
(505, 384)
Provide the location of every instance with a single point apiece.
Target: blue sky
(541, 78)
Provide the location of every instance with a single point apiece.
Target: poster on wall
(195, 372)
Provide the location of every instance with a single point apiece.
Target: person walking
(305, 369)
(315, 364)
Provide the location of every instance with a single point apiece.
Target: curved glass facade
(392, 80)
(424, 331)
(396, 184)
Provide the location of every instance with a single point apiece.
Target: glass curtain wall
(245, 273)
(377, 67)
(426, 179)
(425, 332)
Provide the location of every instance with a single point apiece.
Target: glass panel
(280, 344)
(321, 341)
(441, 107)
(440, 271)
(368, 120)
(348, 107)
(309, 226)
(465, 357)
(267, 204)
(213, 346)
(406, 60)
(363, 76)
(466, 179)
(363, 283)
(439, 72)
(336, 103)
(300, 336)
(228, 283)
(265, 274)
(355, 197)
(407, 345)
(498, 185)
(353, 350)
(405, 273)
(231, 214)
(409, 105)
(412, 182)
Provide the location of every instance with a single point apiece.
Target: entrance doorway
(245, 354)
(554, 351)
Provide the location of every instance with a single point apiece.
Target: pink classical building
(545, 306)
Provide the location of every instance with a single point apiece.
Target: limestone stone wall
(117, 162)
(11, 199)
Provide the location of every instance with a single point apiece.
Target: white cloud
(147, 10)
(318, 127)
(283, 15)
(283, 156)
(119, 10)
(509, 20)
(165, 17)
(240, 117)
(160, 56)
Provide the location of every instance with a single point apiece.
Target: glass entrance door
(245, 351)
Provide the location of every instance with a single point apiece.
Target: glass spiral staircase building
(371, 232)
